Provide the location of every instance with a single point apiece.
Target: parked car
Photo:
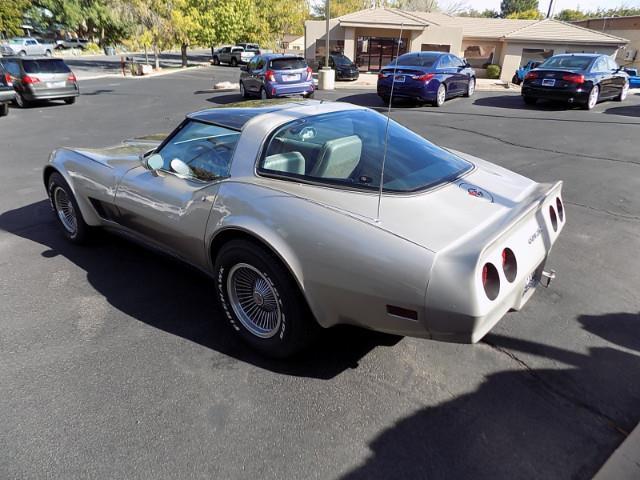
(583, 79)
(80, 43)
(278, 203)
(345, 69)
(232, 56)
(522, 71)
(41, 79)
(634, 78)
(427, 77)
(26, 46)
(276, 75)
(7, 94)
(249, 47)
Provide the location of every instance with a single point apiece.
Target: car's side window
(200, 150)
(600, 65)
(13, 68)
(253, 64)
(612, 64)
(457, 62)
(445, 62)
(261, 63)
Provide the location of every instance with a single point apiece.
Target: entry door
(168, 210)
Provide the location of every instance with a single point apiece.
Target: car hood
(125, 153)
(482, 200)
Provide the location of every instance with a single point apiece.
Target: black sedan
(584, 79)
(345, 69)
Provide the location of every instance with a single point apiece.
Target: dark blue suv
(427, 77)
(276, 75)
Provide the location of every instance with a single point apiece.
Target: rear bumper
(574, 95)
(401, 91)
(7, 96)
(347, 75)
(279, 90)
(52, 94)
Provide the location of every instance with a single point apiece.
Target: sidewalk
(369, 81)
(624, 464)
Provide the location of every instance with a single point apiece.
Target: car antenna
(386, 128)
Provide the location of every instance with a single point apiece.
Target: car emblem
(477, 192)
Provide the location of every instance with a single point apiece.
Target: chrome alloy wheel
(472, 87)
(254, 300)
(625, 91)
(593, 97)
(64, 208)
(441, 95)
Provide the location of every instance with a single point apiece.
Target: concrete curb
(140, 77)
(624, 464)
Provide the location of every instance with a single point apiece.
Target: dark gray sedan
(41, 79)
(7, 94)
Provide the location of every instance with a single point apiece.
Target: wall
(439, 36)
(315, 32)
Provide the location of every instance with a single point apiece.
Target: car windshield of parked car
(569, 62)
(346, 149)
(15, 41)
(342, 60)
(287, 63)
(418, 60)
(205, 149)
(45, 66)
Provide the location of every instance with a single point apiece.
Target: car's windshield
(346, 149)
(572, 62)
(45, 66)
(206, 151)
(341, 60)
(16, 41)
(287, 63)
(418, 59)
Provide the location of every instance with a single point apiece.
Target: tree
(568, 15)
(340, 7)
(11, 16)
(533, 14)
(507, 7)
(487, 13)
(418, 5)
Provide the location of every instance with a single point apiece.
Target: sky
(558, 5)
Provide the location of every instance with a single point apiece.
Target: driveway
(115, 362)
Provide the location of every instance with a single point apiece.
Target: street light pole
(549, 10)
(327, 15)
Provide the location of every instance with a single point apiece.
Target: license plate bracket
(399, 78)
(548, 82)
(290, 78)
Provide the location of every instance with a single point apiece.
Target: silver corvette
(280, 202)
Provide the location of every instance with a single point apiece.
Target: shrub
(92, 48)
(493, 71)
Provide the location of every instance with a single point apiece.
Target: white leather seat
(338, 158)
(288, 162)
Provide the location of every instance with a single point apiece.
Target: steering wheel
(196, 152)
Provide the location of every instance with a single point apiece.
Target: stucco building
(372, 38)
(627, 27)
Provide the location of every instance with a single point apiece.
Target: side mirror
(154, 162)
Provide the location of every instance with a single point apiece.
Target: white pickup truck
(26, 46)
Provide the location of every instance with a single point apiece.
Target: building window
(373, 53)
(480, 55)
(433, 47)
(535, 54)
(336, 46)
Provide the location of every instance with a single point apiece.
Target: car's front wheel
(21, 101)
(471, 87)
(234, 62)
(515, 80)
(623, 93)
(243, 91)
(4, 109)
(261, 300)
(592, 101)
(216, 61)
(66, 209)
(70, 100)
(441, 96)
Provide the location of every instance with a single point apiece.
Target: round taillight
(554, 219)
(560, 209)
(490, 281)
(509, 264)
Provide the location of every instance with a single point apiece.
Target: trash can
(109, 51)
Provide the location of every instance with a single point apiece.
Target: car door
(461, 75)
(224, 54)
(249, 77)
(168, 201)
(618, 77)
(448, 72)
(600, 69)
(31, 47)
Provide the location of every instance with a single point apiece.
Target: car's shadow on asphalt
(525, 423)
(372, 100)
(168, 295)
(627, 111)
(515, 102)
(225, 99)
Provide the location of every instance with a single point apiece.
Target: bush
(493, 71)
(92, 48)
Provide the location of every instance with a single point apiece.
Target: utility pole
(327, 15)
(550, 6)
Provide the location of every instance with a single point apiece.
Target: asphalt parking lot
(115, 362)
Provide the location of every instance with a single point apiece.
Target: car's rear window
(45, 66)
(346, 149)
(287, 63)
(571, 62)
(418, 59)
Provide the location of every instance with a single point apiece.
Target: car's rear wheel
(47, 53)
(441, 96)
(243, 91)
(385, 100)
(263, 94)
(22, 53)
(70, 100)
(261, 300)
(530, 100)
(67, 211)
(515, 80)
(4, 109)
(623, 93)
(234, 62)
(471, 87)
(21, 101)
(310, 95)
(592, 101)
(216, 61)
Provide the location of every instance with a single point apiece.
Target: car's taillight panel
(423, 78)
(270, 76)
(553, 217)
(29, 80)
(573, 78)
(309, 73)
(509, 265)
(531, 76)
(71, 77)
(490, 281)
(560, 208)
